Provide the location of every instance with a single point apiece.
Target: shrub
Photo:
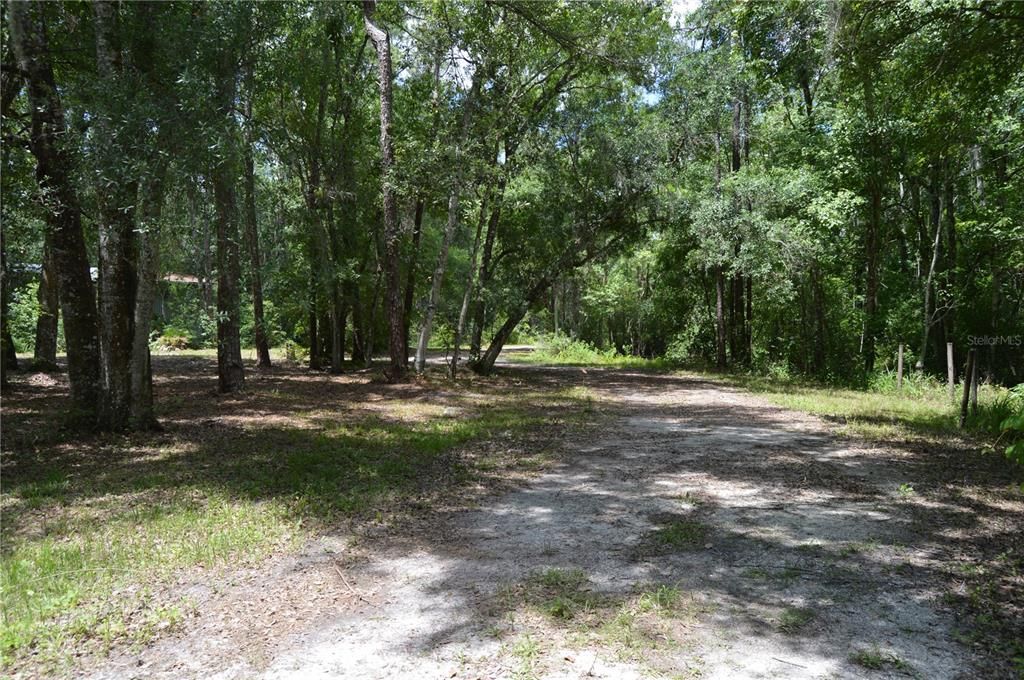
(173, 338)
(22, 314)
(295, 352)
(562, 349)
(1012, 425)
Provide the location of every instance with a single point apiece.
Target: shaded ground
(688, 530)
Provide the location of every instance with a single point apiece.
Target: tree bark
(468, 295)
(8, 353)
(338, 310)
(252, 239)
(45, 352)
(314, 339)
(483, 278)
(437, 279)
(230, 370)
(874, 222)
(927, 315)
(485, 364)
(820, 328)
(117, 253)
(949, 205)
(54, 173)
(358, 331)
(719, 317)
(392, 234)
(141, 413)
(412, 270)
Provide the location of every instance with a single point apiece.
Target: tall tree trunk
(54, 173)
(337, 300)
(874, 223)
(8, 353)
(468, 295)
(10, 88)
(117, 254)
(45, 353)
(748, 322)
(392, 234)
(412, 271)
(252, 238)
(314, 337)
(358, 331)
(230, 370)
(437, 279)
(142, 415)
(483, 278)
(949, 204)
(928, 316)
(820, 330)
(486, 362)
(720, 331)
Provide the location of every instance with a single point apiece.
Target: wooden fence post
(968, 380)
(950, 369)
(899, 370)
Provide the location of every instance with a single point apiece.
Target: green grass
(526, 650)
(793, 620)
(88, 549)
(72, 583)
(681, 535)
(881, 412)
(644, 626)
(876, 660)
(564, 351)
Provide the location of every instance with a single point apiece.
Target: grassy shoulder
(922, 410)
(97, 532)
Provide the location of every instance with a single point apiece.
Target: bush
(173, 338)
(22, 314)
(561, 349)
(1008, 410)
(295, 352)
(1014, 427)
(914, 384)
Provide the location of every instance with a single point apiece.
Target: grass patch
(565, 351)
(876, 660)
(88, 580)
(793, 620)
(683, 534)
(526, 651)
(923, 410)
(661, 599)
(638, 627)
(558, 593)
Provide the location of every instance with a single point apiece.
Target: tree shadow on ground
(334, 447)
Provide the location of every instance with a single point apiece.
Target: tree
(54, 172)
(396, 325)
(230, 370)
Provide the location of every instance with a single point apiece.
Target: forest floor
(550, 522)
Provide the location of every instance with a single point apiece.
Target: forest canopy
(791, 186)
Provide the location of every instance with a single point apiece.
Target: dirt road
(697, 532)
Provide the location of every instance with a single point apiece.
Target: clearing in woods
(675, 527)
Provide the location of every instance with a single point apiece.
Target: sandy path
(794, 519)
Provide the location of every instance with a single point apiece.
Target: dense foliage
(796, 187)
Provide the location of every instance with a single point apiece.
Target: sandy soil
(791, 518)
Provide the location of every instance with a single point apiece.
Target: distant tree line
(755, 184)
